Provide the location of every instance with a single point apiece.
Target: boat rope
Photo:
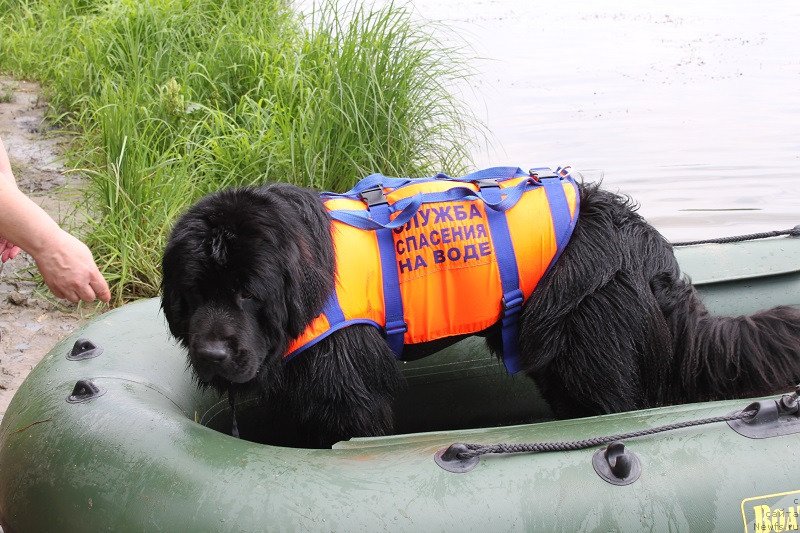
(470, 451)
(794, 232)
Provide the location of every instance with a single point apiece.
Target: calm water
(692, 108)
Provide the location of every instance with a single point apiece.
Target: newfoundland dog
(611, 327)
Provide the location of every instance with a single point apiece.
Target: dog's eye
(246, 295)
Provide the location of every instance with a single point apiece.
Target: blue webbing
(493, 173)
(509, 279)
(370, 182)
(566, 229)
(409, 206)
(333, 310)
(365, 219)
(375, 180)
(559, 209)
(393, 301)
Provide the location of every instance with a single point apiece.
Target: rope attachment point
(463, 457)
(453, 460)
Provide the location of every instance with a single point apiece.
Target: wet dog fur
(611, 327)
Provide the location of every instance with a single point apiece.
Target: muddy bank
(31, 321)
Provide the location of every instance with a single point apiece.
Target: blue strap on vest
(512, 195)
(372, 181)
(393, 301)
(493, 173)
(408, 207)
(559, 208)
(333, 310)
(509, 275)
(364, 220)
(375, 180)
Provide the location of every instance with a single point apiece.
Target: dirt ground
(31, 320)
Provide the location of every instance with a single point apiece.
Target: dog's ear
(172, 302)
(298, 313)
(175, 311)
(294, 308)
(303, 245)
(174, 291)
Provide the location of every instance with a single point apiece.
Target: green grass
(177, 98)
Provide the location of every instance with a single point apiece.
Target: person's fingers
(70, 290)
(68, 294)
(100, 287)
(8, 250)
(70, 272)
(85, 293)
(56, 291)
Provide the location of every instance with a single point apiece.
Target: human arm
(66, 264)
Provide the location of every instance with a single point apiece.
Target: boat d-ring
(617, 465)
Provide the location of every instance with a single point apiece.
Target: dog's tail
(719, 357)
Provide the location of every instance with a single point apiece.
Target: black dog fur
(611, 327)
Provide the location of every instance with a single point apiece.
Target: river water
(690, 107)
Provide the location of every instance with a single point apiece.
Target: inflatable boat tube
(109, 433)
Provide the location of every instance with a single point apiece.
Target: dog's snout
(213, 351)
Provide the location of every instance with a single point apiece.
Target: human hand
(69, 270)
(7, 250)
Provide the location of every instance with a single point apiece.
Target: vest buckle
(396, 327)
(487, 184)
(512, 302)
(374, 196)
(539, 174)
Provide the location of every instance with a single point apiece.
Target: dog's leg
(344, 386)
(607, 352)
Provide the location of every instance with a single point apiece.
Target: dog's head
(244, 271)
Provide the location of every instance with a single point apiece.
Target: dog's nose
(213, 351)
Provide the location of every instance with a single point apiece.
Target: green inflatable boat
(109, 433)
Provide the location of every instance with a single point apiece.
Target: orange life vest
(437, 257)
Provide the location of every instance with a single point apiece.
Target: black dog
(611, 327)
